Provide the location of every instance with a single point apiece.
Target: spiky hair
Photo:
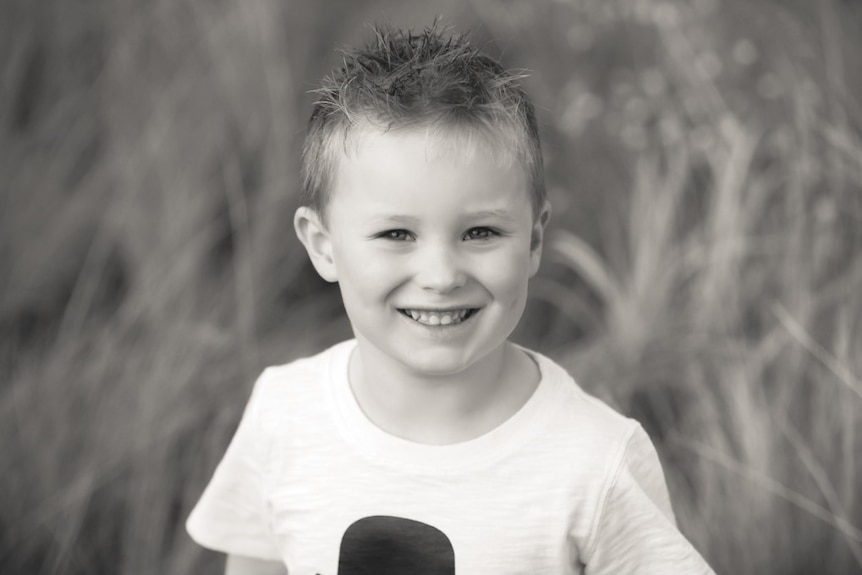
(434, 79)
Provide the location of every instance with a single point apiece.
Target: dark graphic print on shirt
(383, 545)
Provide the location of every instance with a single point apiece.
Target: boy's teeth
(437, 318)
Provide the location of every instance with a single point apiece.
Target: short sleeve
(636, 531)
(232, 513)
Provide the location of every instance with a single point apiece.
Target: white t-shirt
(564, 486)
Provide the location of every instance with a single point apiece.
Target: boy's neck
(445, 409)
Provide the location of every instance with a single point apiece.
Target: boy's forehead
(380, 154)
(461, 144)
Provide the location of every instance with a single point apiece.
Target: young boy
(429, 443)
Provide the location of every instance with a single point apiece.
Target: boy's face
(432, 249)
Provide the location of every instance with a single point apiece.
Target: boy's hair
(435, 80)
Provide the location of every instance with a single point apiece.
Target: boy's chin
(428, 355)
(442, 363)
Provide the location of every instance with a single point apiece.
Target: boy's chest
(368, 520)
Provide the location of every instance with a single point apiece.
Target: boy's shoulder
(299, 384)
(579, 415)
(319, 364)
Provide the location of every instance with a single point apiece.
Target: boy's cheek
(370, 275)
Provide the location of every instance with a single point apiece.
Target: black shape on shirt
(383, 545)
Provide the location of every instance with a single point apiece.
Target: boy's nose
(439, 270)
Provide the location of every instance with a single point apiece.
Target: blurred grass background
(703, 272)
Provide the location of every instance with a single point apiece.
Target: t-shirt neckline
(389, 450)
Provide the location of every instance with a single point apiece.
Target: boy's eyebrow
(480, 214)
(398, 219)
(500, 213)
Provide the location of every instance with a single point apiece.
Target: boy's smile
(432, 244)
(439, 317)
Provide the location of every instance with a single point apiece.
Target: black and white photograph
(479, 287)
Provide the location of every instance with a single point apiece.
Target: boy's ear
(537, 237)
(315, 237)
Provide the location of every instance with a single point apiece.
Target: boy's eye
(398, 235)
(479, 234)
